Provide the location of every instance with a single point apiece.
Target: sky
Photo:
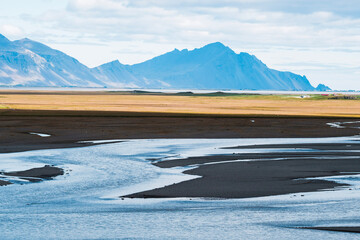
(316, 38)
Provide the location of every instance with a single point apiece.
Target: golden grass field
(268, 105)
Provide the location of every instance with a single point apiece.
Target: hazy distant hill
(322, 88)
(214, 66)
(115, 74)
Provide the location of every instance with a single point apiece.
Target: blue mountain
(216, 66)
(28, 63)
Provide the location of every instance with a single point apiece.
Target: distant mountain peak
(37, 47)
(25, 40)
(215, 45)
(31, 43)
(113, 64)
(322, 88)
(215, 48)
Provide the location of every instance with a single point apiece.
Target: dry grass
(242, 105)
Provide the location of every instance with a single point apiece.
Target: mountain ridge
(28, 63)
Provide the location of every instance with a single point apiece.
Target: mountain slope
(115, 74)
(217, 67)
(4, 43)
(29, 63)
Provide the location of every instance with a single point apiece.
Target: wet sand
(4, 183)
(226, 176)
(46, 172)
(337, 229)
(34, 174)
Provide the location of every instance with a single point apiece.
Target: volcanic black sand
(226, 178)
(337, 229)
(68, 127)
(46, 172)
(34, 174)
(4, 183)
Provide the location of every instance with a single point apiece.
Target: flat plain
(187, 103)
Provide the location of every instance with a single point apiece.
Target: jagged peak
(115, 63)
(177, 51)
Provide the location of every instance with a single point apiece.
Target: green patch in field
(4, 106)
(334, 97)
(262, 96)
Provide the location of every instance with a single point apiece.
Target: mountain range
(27, 63)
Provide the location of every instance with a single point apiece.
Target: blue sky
(319, 39)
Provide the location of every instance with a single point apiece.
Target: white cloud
(11, 30)
(108, 20)
(86, 5)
